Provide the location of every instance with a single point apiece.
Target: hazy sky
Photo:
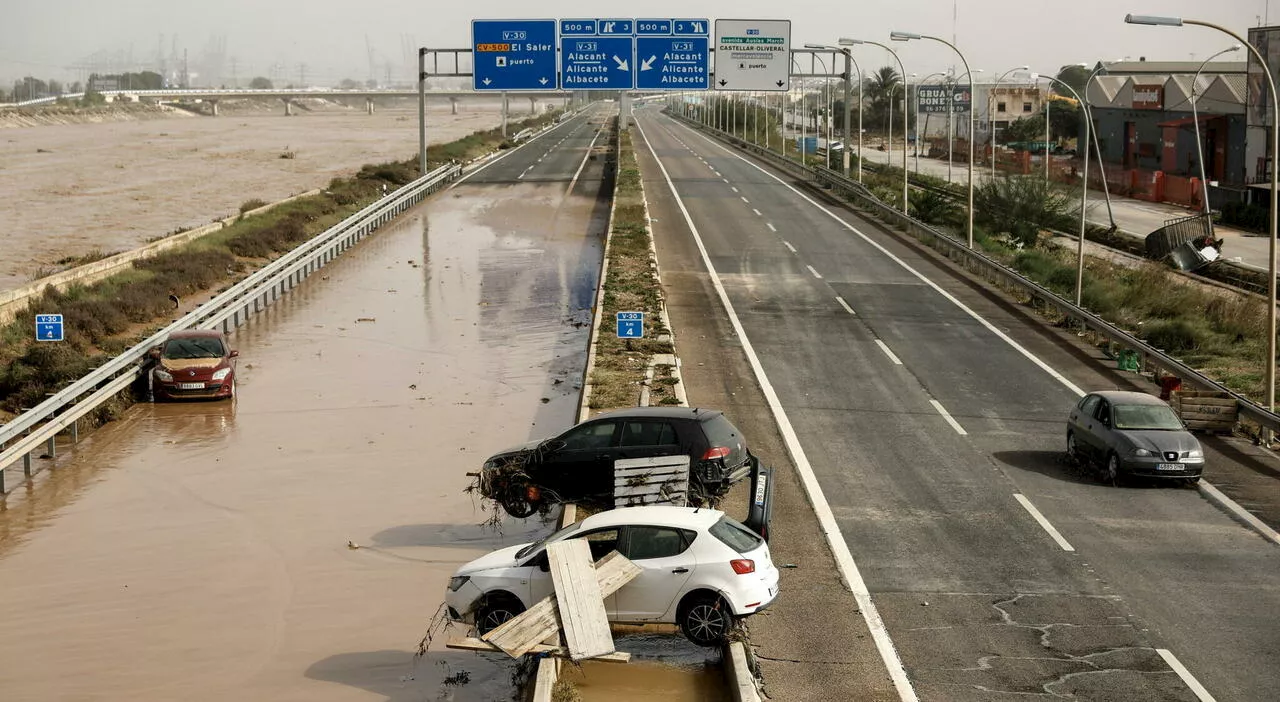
(46, 37)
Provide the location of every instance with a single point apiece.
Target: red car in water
(195, 363)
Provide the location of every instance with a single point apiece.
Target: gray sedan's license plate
(1170, 466)
(191, 386)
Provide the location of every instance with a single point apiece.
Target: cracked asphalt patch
(990, 646)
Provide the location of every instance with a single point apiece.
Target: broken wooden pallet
(520, 634)
(659, 480)
(583, 619)
(473, 644)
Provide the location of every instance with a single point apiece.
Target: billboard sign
(1148, 97)
(1258, 100)
(933, 98)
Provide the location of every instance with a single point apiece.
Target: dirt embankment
(53, 115)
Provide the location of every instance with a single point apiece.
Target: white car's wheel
(705, 619)
(495, 611)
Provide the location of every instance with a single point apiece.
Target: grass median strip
(105, 318)
(631, 285)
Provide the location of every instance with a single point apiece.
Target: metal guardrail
(958, 250)
(41, 424)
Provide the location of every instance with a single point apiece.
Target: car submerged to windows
(577, 465)
(1133, 434)
(700, 570)
(194, 363)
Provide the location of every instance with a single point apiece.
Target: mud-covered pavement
(202, 551)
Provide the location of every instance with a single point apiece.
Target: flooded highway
(295, 544)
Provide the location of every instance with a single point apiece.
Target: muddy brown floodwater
(74, 188)
(200, 551)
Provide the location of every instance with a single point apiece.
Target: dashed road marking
(757, 212)
(947, 416)
(893, 357)
(1201, 693)
(815, 273)
(789, 246)
(1044, 523)
(771, 227)
(846, 306)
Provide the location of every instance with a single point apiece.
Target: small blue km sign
(631, 325)
(48, 327)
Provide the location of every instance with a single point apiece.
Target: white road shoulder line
(815, 273)
(1215, 495)
(846, 306)
(826, 518)
(1201, 693)
(947, 416)
(1044, 523)
(585, 157)
(897, 362)
(789, 246)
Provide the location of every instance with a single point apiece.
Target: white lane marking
(846, 306)
(734, 189)
(1044, 523)
(826, 518)
(1201, 693)
(585, 158)
(815, 273)
(771, 227)
(744, 199)
(789, 246)
(726, 182)
(897, 362)
(524, 173)
(990, 327)
(492, 161)
(757, 212)
(947, 416)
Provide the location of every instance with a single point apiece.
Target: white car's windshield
(535, 546)
(1146, 417)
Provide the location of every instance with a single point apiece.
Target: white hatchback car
(701, 569)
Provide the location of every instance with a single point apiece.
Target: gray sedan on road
(1132, 433)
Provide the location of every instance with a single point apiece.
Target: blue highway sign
(597, 63)
(691, 27)
(577, 27)
(653, 27)
(672, 63)
(631, 325)
(513, 54)
(48, 327)
(615, 27)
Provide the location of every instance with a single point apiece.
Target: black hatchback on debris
(578, 465)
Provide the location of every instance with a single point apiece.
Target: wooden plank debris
(474, 644)
(520, 634)
(659, 480)
(582, 615)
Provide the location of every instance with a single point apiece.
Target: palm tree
(880, 86)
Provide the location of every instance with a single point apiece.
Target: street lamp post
(1087, 109)
(918, 84)
(907, 36)
(1084, 188)
(826, 115)
(845, 41)
(991, 119)
(1195, 120)
(1275, 182)
(848, 106)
